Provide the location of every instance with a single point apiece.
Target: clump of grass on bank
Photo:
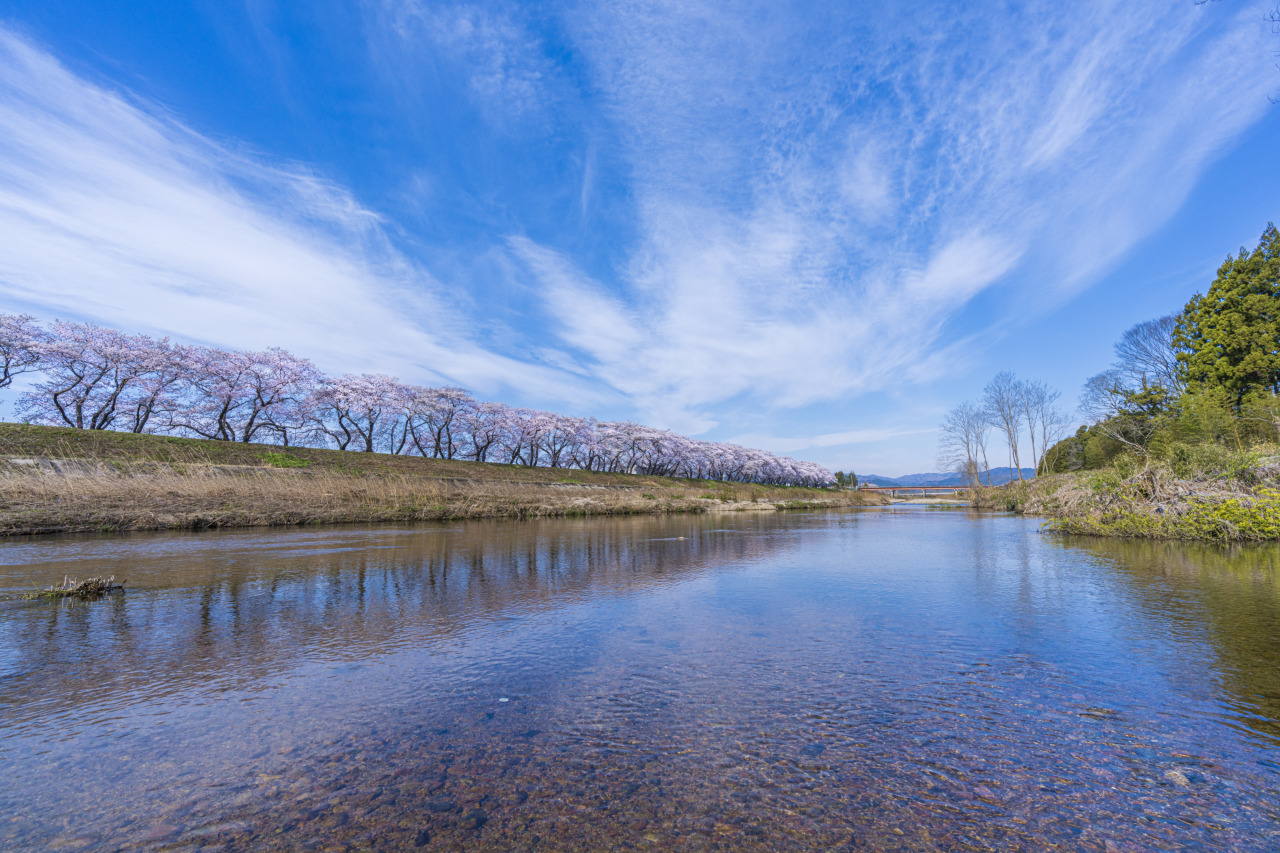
(55, 480)
(1010, 497)
(1195, 493)
(88, 589)
(1234, 519)
(283, 460)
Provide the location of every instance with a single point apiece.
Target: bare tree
(981, 433)
(1032, 397)
(1127, 401)
(1146, 353)
(1054, 425)
(1042, 417)
(1122, 413)
(963, 446)
(1002, 402)
(1101, 397)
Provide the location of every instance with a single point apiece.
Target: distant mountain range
(999, 476)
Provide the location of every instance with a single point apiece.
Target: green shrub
(1126, 465)
(1209, 461)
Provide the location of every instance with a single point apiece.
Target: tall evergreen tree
(1230, 337)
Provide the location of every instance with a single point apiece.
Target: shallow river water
(889, 679)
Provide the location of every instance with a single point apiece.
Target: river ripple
(894, 679)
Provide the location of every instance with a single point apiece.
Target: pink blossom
(96, 378)
(20, 337)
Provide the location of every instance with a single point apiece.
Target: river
(901, 678)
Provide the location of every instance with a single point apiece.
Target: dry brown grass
(158, 485)
(42, 502)
(87, 589)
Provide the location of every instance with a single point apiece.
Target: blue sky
(811, 228)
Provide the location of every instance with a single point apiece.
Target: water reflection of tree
(231, 623)
(1232, 593)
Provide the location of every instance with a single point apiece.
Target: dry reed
(154, 496)
(57, 480)
(89, 588)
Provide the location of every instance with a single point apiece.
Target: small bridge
(923, 490)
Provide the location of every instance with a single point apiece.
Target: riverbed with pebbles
(896, 678)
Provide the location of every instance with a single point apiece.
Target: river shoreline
(65, 481)
(1149, 504)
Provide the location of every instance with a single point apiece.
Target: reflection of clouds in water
(232, 609)
(773, 681)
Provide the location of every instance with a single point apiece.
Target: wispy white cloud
(817, 198)
(501, 60)
(114, 212)
(751, 206)
(849, 438)
(590, 319)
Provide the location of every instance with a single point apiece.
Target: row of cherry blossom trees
(90, 377)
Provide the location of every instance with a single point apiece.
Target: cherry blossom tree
(368, 410)
(560, 438)
(481, 427)
(435, 421)
(624, 446)
(585, 451)
(282, 388)
(86, 370)
(234, 396)
(155, 394)
(520, 439)
(97, 378)
(20, 337)
(214, 395)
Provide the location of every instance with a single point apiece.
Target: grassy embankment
(55, 480)
(1214, 494)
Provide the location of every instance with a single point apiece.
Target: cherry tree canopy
(92, 377)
